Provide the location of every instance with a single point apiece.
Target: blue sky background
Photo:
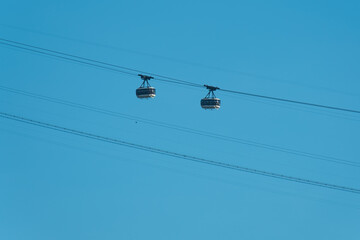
(59, 186)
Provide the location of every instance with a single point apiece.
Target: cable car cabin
(145, 92)
(210, 103)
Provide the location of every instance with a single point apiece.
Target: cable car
(210, 101)
(145, 90)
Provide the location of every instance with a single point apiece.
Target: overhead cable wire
(248, 74)
(46, 50)
(292, 107)
(69, 59)
(181, 128)
(101, 64)
(290, 101)
(177, 155)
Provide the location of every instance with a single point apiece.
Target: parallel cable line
(182, 129)
(102, 64)
(178, 155)
(69, 59)
(45, 50)
(291, 101)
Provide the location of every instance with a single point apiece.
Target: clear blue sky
(59, 186)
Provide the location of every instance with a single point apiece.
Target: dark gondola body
(210, 103)
(146, 92)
